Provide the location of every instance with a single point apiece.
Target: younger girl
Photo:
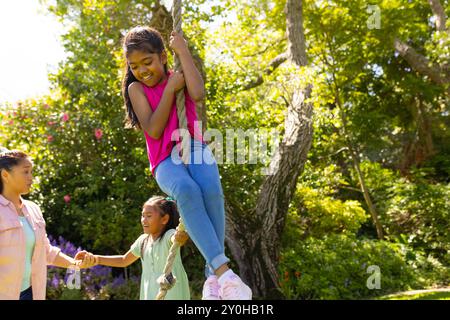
(25, 249)
(149, 92)
(159, 220)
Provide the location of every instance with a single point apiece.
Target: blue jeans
(198, 192)
(26, 294)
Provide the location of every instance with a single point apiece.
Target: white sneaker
(233, 288)
(211, 289)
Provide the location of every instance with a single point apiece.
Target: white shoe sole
(211, 298)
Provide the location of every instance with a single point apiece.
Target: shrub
(335, 267)
(412, 206)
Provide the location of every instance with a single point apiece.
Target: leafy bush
(335, 267)
(316, 211)
(413, 207)
(93, 178)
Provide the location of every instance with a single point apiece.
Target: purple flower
(93, 279)
(118, 281)
(55, 281)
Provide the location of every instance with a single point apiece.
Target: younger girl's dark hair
(8, 160)
(165, 206)
(143, 39)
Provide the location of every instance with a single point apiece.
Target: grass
(441, 294)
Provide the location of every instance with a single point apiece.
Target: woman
(25, 250)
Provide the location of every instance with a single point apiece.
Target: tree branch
(439, 13)
(273, 65)
(421, 64)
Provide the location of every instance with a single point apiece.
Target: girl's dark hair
(143, 39)
(8, 160)
(165, 206)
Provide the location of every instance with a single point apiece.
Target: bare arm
(120, 261)
(154, 122)
(63, 261)
(194, 80)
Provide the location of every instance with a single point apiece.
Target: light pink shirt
(12, 250)
(160, 149)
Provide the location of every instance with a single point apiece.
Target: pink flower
(50, 123)
(50, 138)
(11, 122)
(65, 117)
(98, 134)
(67, 198)
(46, 106)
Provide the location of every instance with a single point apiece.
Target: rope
(181, 106)
(167, 280)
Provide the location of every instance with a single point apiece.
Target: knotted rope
(167, 280)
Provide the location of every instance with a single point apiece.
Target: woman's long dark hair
(143, 39)
(8, 160)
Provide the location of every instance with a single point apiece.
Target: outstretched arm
(64, 261)
(120, 261)
(193, 78)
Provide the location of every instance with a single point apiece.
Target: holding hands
(85, 259)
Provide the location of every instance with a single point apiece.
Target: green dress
(155, 256)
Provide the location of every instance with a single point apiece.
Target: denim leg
(26, 294)
(174, 180)
(206, 174)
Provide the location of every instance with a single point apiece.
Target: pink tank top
(160, 149)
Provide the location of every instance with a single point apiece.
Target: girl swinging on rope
(149, 90)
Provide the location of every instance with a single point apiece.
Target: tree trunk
(356, 164)
(439, 14)
(365, 191)
(420, 147)
(439, 74)
(256, 247)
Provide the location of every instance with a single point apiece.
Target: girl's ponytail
(169, 207)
